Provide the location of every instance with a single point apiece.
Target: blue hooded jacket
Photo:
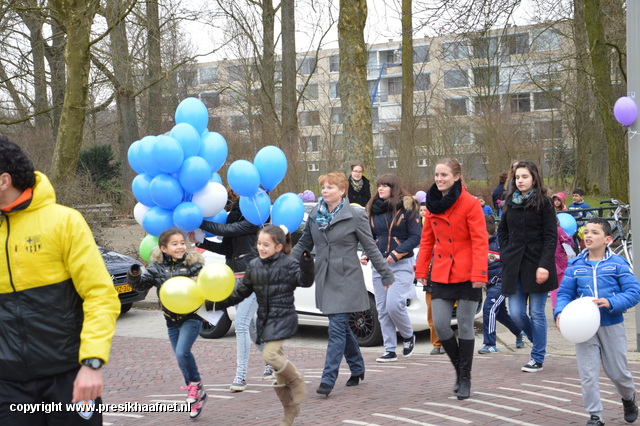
(610, 278)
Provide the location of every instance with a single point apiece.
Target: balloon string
(632, 134)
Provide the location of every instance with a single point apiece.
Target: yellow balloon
(216, 281)
(181, 295)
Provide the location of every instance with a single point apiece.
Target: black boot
(451, 348)
(466, 359)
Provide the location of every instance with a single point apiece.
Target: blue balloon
(188, 137)
(140, 188)
(132, 156)
(288, 210)
(216, 178)
(567, 223)
(167, 154)
(194, 174)
(145, 156)
(214, 149)
(194, 112)
(166, 191)
(272, 166)
(243, 178)
(157, 220)
(256, 209)
(187, 216)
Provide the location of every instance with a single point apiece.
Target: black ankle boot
(355, 380)
(466, 360)
(630, 409)
(453, 351)
(324, 389)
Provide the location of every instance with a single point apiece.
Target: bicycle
(621, 229)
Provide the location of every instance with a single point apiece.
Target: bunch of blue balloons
(178, 184)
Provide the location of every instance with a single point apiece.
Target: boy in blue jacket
(598, 273)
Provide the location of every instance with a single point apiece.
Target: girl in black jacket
(173, 260)
(273, 277)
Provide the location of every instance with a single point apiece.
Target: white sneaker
(238, 385)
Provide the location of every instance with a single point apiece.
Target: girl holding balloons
(173, 260)
(273, 277)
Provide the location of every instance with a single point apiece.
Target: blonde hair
(453, 164)
(335, 178)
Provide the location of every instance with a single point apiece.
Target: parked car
(365, 324)
(118, 264)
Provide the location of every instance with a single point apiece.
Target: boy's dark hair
(491, 224)
(578, 191)
(424, 203)
(606, 226)
(165, 236)
(14, 161)
(278, 236)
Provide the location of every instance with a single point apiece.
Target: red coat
(458, 241)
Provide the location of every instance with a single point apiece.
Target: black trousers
(43, 402)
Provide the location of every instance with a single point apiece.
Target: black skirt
(456, 291)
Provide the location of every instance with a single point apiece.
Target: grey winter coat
(340, 286)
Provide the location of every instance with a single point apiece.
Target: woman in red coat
(455, 242)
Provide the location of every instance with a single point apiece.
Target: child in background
(273, 277)
(173, 260)
(495, 307)
(598, 273)
(559, 200)
(485, 208)
(562, 260)
(578, 203)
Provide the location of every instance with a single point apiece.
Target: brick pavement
(415, 390)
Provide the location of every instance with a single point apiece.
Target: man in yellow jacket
(58, 306)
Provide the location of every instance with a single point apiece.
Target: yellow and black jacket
(57, 301)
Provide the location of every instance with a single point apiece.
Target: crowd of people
(461, 255)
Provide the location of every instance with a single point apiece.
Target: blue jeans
(341, 343)
(182, 338)
(245, 323)
(535, 324)
(495, 309)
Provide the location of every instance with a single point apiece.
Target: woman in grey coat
(335, 228)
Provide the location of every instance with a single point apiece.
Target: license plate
(124, 288)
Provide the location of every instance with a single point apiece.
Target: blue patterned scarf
(519, 198)
(324, 217)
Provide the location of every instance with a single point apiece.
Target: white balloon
(211, 199)
(580, 320)
(139, 211)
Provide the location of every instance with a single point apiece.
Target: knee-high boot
(291, 391)
(453, 351)
(466, 360)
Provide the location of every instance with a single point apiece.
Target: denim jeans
(182, 337)
(341, 343)
(493, 310)
(535, 323)
(245, 326)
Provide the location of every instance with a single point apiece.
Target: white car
(365, 325)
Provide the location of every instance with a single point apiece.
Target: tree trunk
(407, 162)
(615, 134)
(76, 16)
(154, 110)
(356, 104)
(290, 131)
(269, 116)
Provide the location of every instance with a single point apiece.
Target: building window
(422, 82)
(547, 100)
(393, 164)
(388, 56)
(547, 39)
(394, 86)
(309, 118)
(455, 50)
(421, 54)
(485, 105)
(520, 102)
(313, 167)
(208, 75)
(309, 143)
(334, 63)
(548, 129)
(486, 77)
(336, 115)
(210, 99)
(236, 73)
(334, 90)
(456, 106)
(307, 66)
(485, 47)
(310, 92)
(239, 122)
(516, 44)
(372, 60)
(423, 162)
(455, 78)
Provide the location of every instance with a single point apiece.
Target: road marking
(524, 401)
(403, 419)
(474, 411)
(574, 386)
(434, 413)
(557, 398)
(553, 389)
(356, 422)
(502, 406)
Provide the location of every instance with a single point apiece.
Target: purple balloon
(625, 110)
(421, 196)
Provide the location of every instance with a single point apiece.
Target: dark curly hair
(15, 162)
